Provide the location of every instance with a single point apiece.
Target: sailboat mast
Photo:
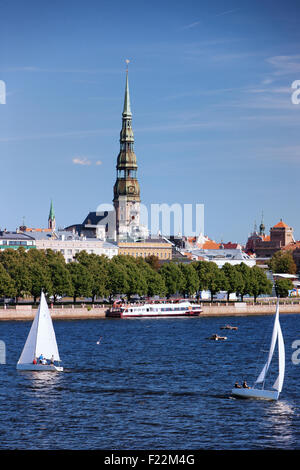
(37, 329)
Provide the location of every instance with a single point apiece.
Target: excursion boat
(41, 341)
(182, 308)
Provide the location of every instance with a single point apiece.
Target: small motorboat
(216, 337)
(229, 327)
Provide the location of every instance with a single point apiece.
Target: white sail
(264, 371)
(28, 353)
(281, 361)
(277, 386)
(41, 338)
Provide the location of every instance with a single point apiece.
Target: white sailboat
(41, 340)
(277, 386)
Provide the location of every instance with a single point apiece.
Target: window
(69, 252)
(121, 173)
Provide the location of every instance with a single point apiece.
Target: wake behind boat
(40, 352)
(180, 308)
(277, 386)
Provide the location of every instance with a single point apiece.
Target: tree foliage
(283, 262)
(282, 287)
(27, 273)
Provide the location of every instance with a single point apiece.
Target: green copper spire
(126, 108)
(51, 213)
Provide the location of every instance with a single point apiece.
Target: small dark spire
(262, 227)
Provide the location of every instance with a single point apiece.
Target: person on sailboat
(237, 385)
(52, 360)
(245, 384)
(41, 358)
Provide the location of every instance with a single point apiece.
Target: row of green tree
(26, 273)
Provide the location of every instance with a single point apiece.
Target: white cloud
(81, 161)
(267, 81)
(227, 12)
(285, 64)
(272, 90)
(85, 161)
(191, 25)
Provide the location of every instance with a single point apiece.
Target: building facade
(155, 247)
(69, 245)
(15, 240)
(280, 235)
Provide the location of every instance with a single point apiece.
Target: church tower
(51, 218)
(126, 189)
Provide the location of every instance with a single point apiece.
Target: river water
(149, 384)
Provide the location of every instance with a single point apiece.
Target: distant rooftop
(232, 254)
(14, 236)
(281, 224)
(64, 235)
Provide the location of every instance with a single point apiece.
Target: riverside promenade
(85, 312)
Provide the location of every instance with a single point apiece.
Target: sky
(210, 89)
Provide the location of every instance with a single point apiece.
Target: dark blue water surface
(150, 384)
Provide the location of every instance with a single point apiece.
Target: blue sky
(210, 86)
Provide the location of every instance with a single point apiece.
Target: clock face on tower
(131, 189)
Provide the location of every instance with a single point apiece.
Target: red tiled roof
(210, 245)
(291, 246)
(230, 246)
(281, 225)
(28, 229)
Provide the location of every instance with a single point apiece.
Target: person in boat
(215, 336)
(237, 385)
(41, 357)
(52, 360)
(44, 362)
(245, 384)
(34, 361)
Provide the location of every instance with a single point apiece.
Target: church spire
(126, 189)
(126, 108)
(262, 227)
(51, 218)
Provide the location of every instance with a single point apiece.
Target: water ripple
(149, 385)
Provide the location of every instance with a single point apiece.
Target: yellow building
(157, 247)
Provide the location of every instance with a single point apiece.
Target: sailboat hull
(255, 393)
(40, 367)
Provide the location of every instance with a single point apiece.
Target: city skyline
(210, 91)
